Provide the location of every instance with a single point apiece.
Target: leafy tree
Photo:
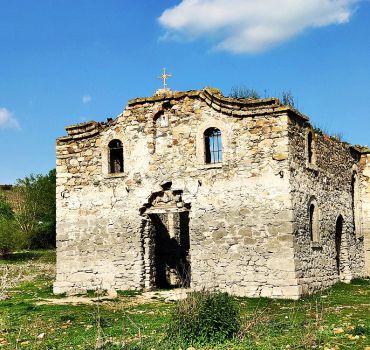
(8, 229)
(9, 237)
(6, 210)
(35, 212)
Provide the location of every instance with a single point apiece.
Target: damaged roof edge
(361, 149)
(214, 98)
(237, 107)
(208, 92)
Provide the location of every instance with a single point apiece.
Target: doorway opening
(338, 242)
(166, 240)
(170, 259)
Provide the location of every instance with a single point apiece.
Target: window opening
(309, 147)
(213, 146)
(115, 156)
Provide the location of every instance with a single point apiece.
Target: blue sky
(68, 61)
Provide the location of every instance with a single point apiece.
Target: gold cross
(164, 77)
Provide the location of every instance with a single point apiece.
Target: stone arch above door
(166, 200)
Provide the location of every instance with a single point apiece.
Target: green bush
(204, 317)
(361, 330)
(9, 236)
(36, 214)
(6, 211)
(9, 233)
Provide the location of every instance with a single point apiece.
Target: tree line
(27, 214)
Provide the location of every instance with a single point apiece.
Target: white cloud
(86, 99)
(249, 26)
(7, 121)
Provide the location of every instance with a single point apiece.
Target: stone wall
(247, 218)
(326, 182)
(97, 244)
(240, 212)
(365, 199)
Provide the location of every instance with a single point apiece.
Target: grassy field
(335, 319)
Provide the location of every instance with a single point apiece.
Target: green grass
(25, 256)
(335, 319)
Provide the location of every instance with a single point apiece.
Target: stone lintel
(166, 210)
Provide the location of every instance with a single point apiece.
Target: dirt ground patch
(143, 298)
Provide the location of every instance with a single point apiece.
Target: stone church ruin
(193, 189)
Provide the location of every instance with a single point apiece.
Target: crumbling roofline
(235, 107)
(80, 131)
(361, 149)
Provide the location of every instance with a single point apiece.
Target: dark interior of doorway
(171, 252)
(338, 241)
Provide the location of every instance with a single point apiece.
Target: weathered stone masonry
(241, 225)
(328, 182)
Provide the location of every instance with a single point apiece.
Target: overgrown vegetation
(286, 98)
(36, 209)
(204, 317)
(28, 219)
(242, 91)
(31, 317)
(9, 235)
(338, 136)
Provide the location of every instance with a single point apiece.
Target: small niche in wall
(161, 120)
(161, 132)
(314, 223)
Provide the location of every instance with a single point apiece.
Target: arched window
(314, 223)
(213, 146)
(310, 154)
(115, 157)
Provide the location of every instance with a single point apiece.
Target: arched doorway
(338, 242)
(166, 241)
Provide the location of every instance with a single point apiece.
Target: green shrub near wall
(204, 317)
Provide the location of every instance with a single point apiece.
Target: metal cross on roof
(164, 77)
